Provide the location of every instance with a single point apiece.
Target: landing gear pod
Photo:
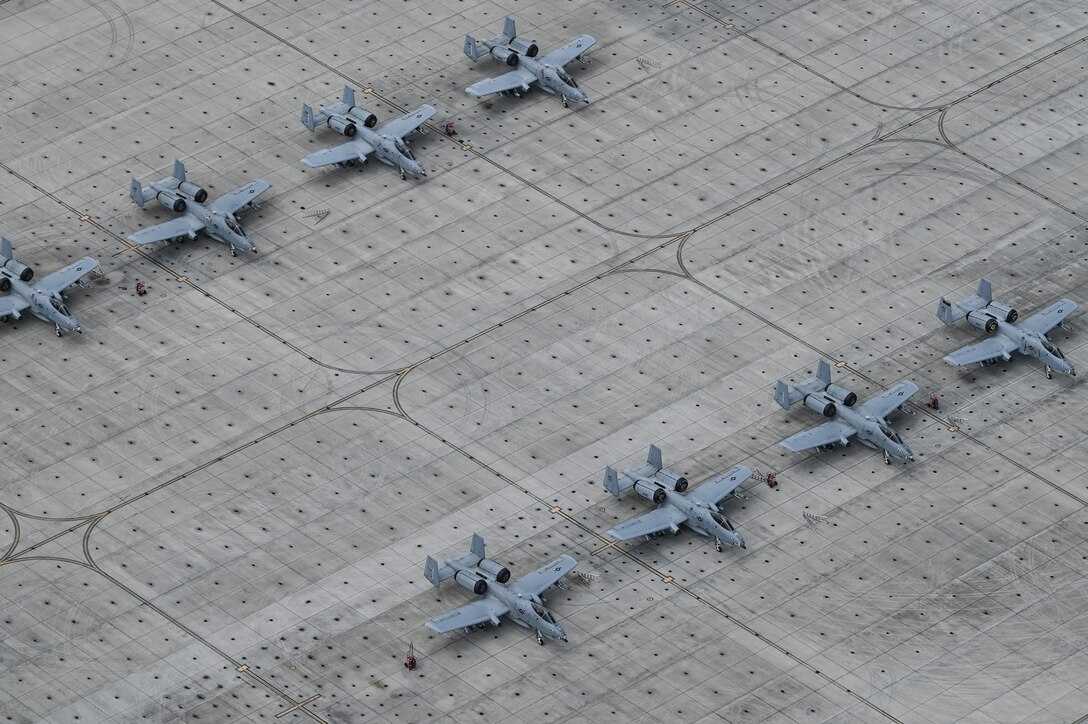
(193, 191)
(821, 405)
(498, 570)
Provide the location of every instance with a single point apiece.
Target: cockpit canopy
(721, 520)
(562, 75)
(891, 434)
(1052, 348)
(403, 148)
(234, 226)
(58, 305)
(543, 612)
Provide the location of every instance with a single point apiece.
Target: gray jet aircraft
(386, 143)
(216, 219)
(521, 55)
(489, 579)
(835, 401)
(997, 318)
(44, 298)
(698, 510)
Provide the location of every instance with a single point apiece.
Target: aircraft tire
(5, 284)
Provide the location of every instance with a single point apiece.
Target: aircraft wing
(545, 576)
(1047, 319)
(63, 278)
(883, 404)
(181, 226)
(663, 518)
(828, 433)
(409, 122)
(714, 491)
(518, 78)
(477, 612)
(12, 305)
(240, 196)
(989, 348)
(356, 150)
(570, 51)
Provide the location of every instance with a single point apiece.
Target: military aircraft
(835, 401)
(44, 298)
(521, 55)
(697, 510)
(386, 143)
(489, 579)
(1027, 337)
(216, 219)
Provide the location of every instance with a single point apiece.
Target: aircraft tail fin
(985, 291)
(136, 192)
(477, 547)
(823, 372)
(430, 570)
(179, 170)
(952, 312)
(308, 117)
(508, 28)
(470, 48)
(945, 313)
(612, 481)
(782, 395)
(653, 458)
(5, 249)
(349, 97)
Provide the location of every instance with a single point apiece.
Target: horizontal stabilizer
(950, 313)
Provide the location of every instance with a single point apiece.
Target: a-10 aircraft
(837, 402)
(43, 298)
(547, 71)
(999, 319)
(357, 123)
(698, 510)
(216, 219)
(489, 580)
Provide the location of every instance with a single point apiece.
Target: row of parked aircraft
(699, 510)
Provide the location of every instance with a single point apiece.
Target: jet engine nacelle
(496, 569)
(650, 489)
(171, 201)
(525, 47)
(343, 126)
(670, 479)
(363, 116)
(193, 191)
(821, 405)
(510, 57)
(1003, 311)
(471, 581)
(841, 394)
(983, 320)
(24, 272)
